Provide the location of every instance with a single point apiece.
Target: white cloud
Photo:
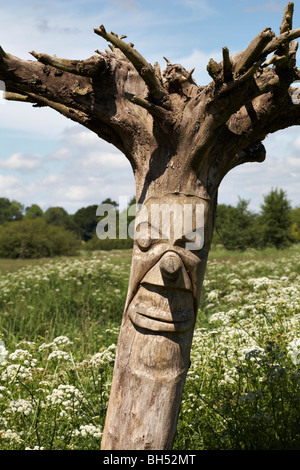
(44, 123)
(252, 181)
(126, 4)
(270, 6)
(16, 188)
(297, 142)
(20, 162)
(62, 153)
(103, 163)
(7, 183)
(83, 170)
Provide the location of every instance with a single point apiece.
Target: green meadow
(59, 326)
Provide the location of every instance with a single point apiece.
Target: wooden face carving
(163, 293)
(153, 354)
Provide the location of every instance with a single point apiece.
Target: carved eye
(144, 243)
(146, 236)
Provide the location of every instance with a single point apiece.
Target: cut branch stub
(146, 71)
(227, 66)
(2, 53)
(287, 22)
(282, 56)
(10, 96)
(214, 70)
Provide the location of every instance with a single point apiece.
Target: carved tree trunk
(181, 139)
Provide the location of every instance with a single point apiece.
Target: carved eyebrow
(149, 226)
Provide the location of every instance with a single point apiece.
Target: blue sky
(49, 160)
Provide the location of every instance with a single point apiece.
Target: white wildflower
(68, 395)
(294, 350)
(16, 370)
(3, 352)
(59, 356)
(21, 355)
(11, 436)
(213, 295)
(35, 448)
(21, 406)
(104, 357)
(89, 430)
(62, 340)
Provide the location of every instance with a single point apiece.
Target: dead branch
(214, 70)
(145, 70)
(165, 116)
(88, 68)
(9, 96)
(254, 51)
(227, 66)
(287, 22)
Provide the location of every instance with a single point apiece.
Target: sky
(48, 160)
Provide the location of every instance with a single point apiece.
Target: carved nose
(170, 265)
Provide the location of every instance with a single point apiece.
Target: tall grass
(59, 324)
(77, 297)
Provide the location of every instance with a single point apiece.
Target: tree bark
(181, 140)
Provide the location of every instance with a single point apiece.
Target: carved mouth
(155, 319)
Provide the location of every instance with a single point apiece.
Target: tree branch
(3, 54)
(227, 65)
(87, 68)
(283, 38)
(145, 70)
(9, 96)
(95, 102)
(253, 52)
(287, 22)
(158, 111)
(252, 76)
(214, 70)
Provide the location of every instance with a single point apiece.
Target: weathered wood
(154, 347)
(227, 66)
(181, 140)
(87, 68)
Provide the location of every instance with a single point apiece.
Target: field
(59, 324)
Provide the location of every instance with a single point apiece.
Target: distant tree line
(30, 232)
(277, 224)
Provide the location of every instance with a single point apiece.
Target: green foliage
(121, 222)
(86, 222)
(59, 217)
(34, 238)
(10, 210)
(276, 219)
(34, 211)
(276, 225)
(237, 226)
(108, 244)
(75, 296)
(295, 226)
